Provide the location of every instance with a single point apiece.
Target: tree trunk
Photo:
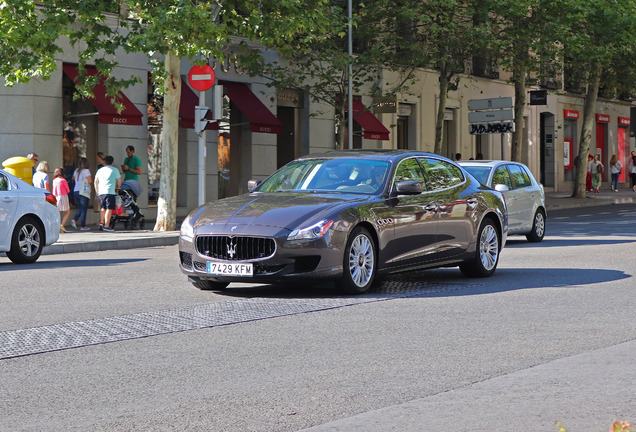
(519, 79)
(167, 201)
(341, 130)
(589, 112)
(439, 126)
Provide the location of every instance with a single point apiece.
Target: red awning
(189, 99)
(260, 117)
(107, 112)
(373, 128)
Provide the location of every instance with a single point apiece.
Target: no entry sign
(201, 77)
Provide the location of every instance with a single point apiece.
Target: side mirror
(502, 188)
(253, 184)
(409, 188)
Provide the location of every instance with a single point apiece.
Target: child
(61, 190)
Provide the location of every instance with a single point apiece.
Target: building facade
(263, 128)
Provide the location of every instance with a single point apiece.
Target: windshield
(347, 175)
(481, 173)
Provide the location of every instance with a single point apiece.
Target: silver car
(525, 197)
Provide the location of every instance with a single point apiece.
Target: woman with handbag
(82, 192)
(615, 169)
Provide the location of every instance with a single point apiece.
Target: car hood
(283, 210)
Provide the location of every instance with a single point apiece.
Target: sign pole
(201, 78)
(202, 154)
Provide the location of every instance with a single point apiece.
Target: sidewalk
(563, 200)
(94, 240)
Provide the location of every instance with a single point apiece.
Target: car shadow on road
(437, 283)
(525, 278)
(559, 242)
(43, 265)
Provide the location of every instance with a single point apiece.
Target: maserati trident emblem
(231, 248)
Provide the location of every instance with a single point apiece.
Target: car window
(481, 173)
(409, 170)
(501, 176)
(4, 182)
(520, 178)
(329, 175)
(440, 174)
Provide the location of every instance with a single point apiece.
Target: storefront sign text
(491, 128)
(570, 114)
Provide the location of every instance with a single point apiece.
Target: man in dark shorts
(107, 182)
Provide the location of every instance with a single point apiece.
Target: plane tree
(601, 44)
(526, 41)
(442, 35)
(320, 68)
(165, 31)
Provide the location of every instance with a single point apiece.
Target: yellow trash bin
(20, 167)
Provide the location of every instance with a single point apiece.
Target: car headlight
(313, 232)
(187, 229)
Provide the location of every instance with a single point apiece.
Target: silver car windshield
(481, 173)
(329, 175)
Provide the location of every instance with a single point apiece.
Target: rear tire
(487, 254)
(359, 264)
(538, 227)
(27, 241)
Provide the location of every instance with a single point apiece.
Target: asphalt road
(119, 341)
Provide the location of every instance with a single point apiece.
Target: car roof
(376, 154)
(490, 163)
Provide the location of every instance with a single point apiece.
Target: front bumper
(308, 259)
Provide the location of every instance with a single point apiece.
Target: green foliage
(99, 31)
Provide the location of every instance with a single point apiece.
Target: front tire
(538, 227)
(359, 264)
(487, 254)
(27, 241)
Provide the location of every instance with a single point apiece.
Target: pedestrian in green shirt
(132, 165)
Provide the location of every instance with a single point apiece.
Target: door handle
(472, 202)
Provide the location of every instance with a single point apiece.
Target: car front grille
(235, 248)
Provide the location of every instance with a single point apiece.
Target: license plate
(231, 269)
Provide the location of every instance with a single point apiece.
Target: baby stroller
(127, 210)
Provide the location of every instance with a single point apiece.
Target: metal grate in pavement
(55, 337)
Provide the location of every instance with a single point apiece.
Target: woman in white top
(41, 176)
(82, 192)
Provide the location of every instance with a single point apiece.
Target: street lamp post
(349, 83)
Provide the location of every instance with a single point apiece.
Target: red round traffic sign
(201, 77)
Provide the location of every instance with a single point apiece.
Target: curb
(73, 243)
(567, 202)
